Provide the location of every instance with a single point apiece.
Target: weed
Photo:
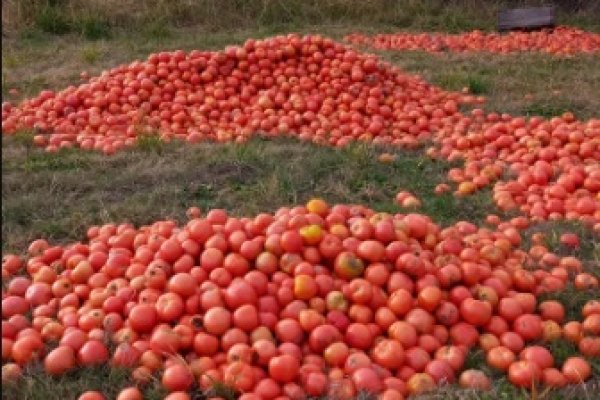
(90, 54)
(547, 109)
(51, 19)
(94, 28)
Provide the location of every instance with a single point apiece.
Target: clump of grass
(52, 19)
(90, 54)
(562, 349)
(219, 389)
(150, 143)
(477, 85)
(64, 160)
(157, 29)
(457, 80)
(37, 385)
(94, 28)
(547, 109)
(24, 138)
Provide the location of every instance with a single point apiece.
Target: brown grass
(59, 16)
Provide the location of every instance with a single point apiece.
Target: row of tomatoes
(322, 91)
(312, 300)
(562, 40)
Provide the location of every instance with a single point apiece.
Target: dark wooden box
(526, 18)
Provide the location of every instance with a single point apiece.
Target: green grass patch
(52, 19)
(94, 28)
(64, 160)
(157, 29)
(91, 54)
(58, 195)
(547, 109)
(36, 385)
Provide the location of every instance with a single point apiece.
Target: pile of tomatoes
(330, 94)
(309, 86)
(562, 40)
(325, 92)
(546, 169)
(311, 300)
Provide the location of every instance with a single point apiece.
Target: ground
(58, 196)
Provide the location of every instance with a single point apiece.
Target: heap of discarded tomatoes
(562, 40)
(322, 91)
(313, 300)
(310, 86)
(551, 167)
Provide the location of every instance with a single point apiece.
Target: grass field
(57, 196)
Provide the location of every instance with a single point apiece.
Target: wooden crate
(526, 18)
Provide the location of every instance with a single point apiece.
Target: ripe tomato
(524, 373)
(284, 368)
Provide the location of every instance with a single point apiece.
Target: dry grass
(101, 18)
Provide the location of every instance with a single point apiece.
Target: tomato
(240, 292)
(14, 305)
(529, 326)
(169, 307)
(591, 307)
(91, 395)
(177, 377)
(366, 379)
(388, 353)
(239, 376)
(591, 325)
(474, 379)
(217, 320)
(348, 266)
(284, 368)
(267, 389)
(551, 331)
(420, 383)
(305, 287)
(500, 358)
(576, 370)
(93, 352)
(463, 333)
(429, 298)
(573, 331)
(475, 312)
(509, 308)
(323, 336)
(130, 393)
(27, 348)
(359, 336)
(182, 284)
(440, 371)
(400, 302)
(11, 373)
(143, 317)
(552, 310)
(539, 355)
(552, 377)
(453, 355)
(524, 373)
(60, 360)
